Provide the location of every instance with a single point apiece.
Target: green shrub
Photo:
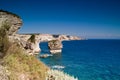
(32, 38)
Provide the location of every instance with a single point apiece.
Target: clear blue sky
(86, 18)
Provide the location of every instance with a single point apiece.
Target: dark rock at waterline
(45, 55)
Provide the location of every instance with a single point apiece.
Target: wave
(59, 75)
(58, 67)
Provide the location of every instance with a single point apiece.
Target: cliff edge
(15, 50)
(15, 23)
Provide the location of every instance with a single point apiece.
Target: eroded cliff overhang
(11, 19)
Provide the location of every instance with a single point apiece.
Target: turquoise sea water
(87, 59)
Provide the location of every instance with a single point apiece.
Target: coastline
(55, 72)
(59, 75)
(20, 51)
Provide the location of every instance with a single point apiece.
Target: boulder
(55, 46)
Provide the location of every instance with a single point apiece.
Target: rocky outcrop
(12, 20)
(55, 46)
(29, 43)
(15, 23)
(35, 48)
(45, 55)
(23, 40)
(66, 37)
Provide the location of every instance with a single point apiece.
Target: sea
(94, 59)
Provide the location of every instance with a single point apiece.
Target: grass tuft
(18, 63)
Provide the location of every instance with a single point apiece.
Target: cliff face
(17, 64)
(10, 19)
(15, 24)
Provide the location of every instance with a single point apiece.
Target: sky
(84, 18)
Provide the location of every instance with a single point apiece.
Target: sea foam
(58, 67)
(59, 75)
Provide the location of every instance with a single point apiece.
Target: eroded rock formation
(55, 46)
(12, 20)
(15, 23)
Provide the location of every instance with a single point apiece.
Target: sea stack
(30, 42)
(55, 46)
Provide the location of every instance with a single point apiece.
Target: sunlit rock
(55, 46)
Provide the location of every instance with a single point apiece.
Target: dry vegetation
(19, 65)
(4, 42)
(15, 64)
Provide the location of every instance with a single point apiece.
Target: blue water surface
(87, 59)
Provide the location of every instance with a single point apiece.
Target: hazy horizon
(91, 19)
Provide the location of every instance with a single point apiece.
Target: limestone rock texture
(55, 46)
(15, 23)
(11, 19)
(28, 44)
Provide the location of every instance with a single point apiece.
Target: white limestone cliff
(11, 19)
(15, 23)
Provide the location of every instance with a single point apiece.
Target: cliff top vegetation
(20, 66)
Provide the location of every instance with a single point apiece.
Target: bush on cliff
(22, 66)
(19, 65)
(4, 42)
(32, 38)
